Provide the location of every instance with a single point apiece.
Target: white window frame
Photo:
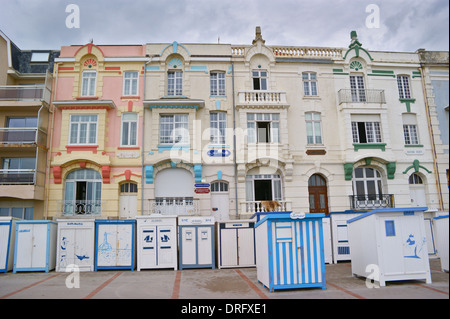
(377, 180)
(130, 83)
(310, 83)
(372, 132)
(218, 128)
(410, 134)
(129, 124)
(174, 83)
(178, 126)
(404, 88)
(313, 128)
(217, 84)
(89, 126)
(88, 83)
(357, 88)
(274, 127)
(277, 186)
(262, 76)
(219, 187)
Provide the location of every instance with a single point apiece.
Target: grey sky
(405, 25)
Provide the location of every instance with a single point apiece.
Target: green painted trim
(341, 73)
(413, 145)
(348, 171)
(357, 48)
(388, 75)
(416, 165)
(390, 169)
(338, 70)
(363, 146)
(408, 103)
(383, 71)
(416, 74)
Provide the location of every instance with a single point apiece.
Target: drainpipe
(433, 145)
(234, 143)
(143, 138)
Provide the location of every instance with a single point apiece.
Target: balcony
(261, 98)
(81, 207)
(39, 92)
(174, 206)
(371, 201)
(252, 207)
(361, 96)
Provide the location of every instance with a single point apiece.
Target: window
(130, 83)
(83, 192)
(366, 132)
(403, 87)
(390, 228)
(313, 128)
(128, 188)
(19, 163)
(367, 183)
(18, 171)
(175, 83)
(217, 81)
(88, 80)
(219, 187)
(18, 212)
(410, 129)
(357, 88)
(129, 129)
(83, 129)
(415, 179)
(410, 132)
(263, 127)
(309, 83)
(218, 124)
(174, 129)
(39, 56)
(263, 187)
(22, 122)
(259, 80)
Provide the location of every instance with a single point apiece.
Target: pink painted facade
(96, 143)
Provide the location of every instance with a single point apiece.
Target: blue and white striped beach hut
(290, 251)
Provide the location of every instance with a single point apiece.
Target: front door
(318, 199)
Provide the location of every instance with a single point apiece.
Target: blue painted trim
(170, 147)
(149, 174)
(322, 255)
(441, 217)
(199, 69)
(278, 216)
(388, 210)
(175, 45)
(8, 247)
(198, 173)
(47, 250)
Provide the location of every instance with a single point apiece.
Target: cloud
(405, 25)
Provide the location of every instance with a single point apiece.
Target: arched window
(367, 183)
(219, 186)
(82, 193)
(415, 179)
(127, 188)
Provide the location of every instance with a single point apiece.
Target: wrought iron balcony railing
(371, 201)
(81, 207)
(361, 96)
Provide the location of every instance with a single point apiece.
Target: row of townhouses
(214, 129)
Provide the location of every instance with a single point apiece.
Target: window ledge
(381, 146)
(85, 147)
(311, 97)
(413, 145)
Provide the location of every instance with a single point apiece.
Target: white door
(124, 245)
(229, 247)
(147, 242)
(76, 247)
(128, 200)
(4, 244)
(220, 206)
(189, 245)
(166, 246)
(246, 246)
(106, 249)
(204, 250)
(417, 193)
(32, 246)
